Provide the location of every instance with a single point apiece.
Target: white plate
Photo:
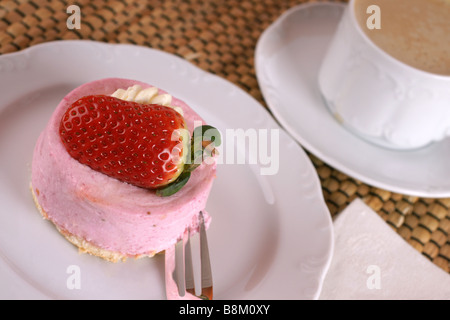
(287, 58)
(270, 237)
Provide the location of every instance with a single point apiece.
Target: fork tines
(184, 272)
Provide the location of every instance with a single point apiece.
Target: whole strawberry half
(129, 141)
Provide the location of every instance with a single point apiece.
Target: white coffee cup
(381, 98)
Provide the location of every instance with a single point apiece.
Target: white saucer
(288, 56)
(270, 236)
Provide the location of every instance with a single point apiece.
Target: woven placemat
(220, 37)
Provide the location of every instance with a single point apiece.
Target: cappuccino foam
(416, 32)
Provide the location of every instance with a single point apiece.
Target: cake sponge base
(83, 245)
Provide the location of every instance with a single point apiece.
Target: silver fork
(180, 282)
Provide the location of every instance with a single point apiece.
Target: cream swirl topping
(148, 95)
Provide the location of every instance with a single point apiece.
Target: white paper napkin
(371, 261)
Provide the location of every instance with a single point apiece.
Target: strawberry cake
(116, 170)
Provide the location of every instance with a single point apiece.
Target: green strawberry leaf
(200, 134)
(207, 133)
(174, 186)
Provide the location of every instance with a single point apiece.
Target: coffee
(416, 32)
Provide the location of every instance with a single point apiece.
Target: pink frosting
(110, 214)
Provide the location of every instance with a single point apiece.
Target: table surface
(210, 34)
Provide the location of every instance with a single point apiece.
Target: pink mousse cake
(104, 216)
